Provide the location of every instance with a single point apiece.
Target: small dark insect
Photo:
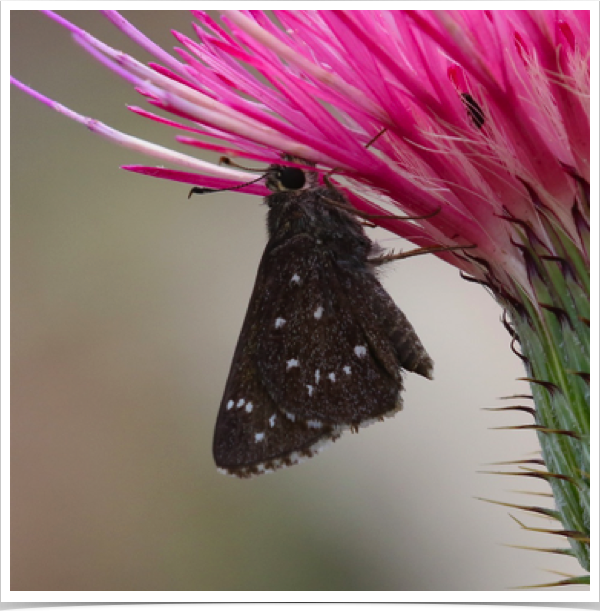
(322, 345)
(474, 110)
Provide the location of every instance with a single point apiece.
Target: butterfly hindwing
(321, 355)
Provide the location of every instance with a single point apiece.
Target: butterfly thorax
(313, 212)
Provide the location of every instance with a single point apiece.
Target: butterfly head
(287, 178)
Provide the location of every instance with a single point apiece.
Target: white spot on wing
(295, 278)
(292, 363)
(259, 437)
(230, 404)
(290, 417)
(279, 323)
(347, 370)
(272, 420)
(241, 402)
(332, 377)
(249, 407)
(314, 424)
(317, 375)
(360, 351)
(310, 390)
(319, 312)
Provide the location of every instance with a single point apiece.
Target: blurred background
(127, 300)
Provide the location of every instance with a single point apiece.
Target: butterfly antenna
(202, 190)
(233, 164)
(375, 137)
(367, 145)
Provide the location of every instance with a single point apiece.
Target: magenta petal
(452, 110)
(195, 179)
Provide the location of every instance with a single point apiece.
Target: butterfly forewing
(252, 435)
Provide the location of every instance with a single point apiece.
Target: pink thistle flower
(477, 120)
(333, 88)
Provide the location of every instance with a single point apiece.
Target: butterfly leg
(366, 215)
(392, 256)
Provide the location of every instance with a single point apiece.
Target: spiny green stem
(553, 332)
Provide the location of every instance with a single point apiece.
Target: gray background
(126, 304)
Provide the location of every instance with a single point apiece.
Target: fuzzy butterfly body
(322, 345)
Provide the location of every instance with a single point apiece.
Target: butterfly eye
(291, 178)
